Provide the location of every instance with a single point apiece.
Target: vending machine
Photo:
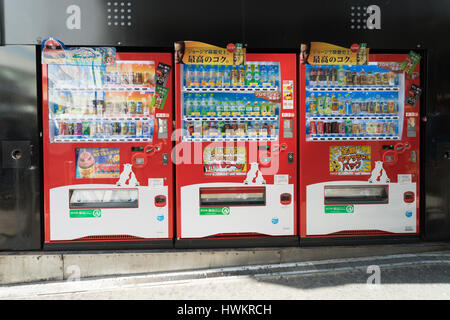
(236, 170)
(359, 140)
(107, 122)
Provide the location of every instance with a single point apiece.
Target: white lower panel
(146, 221)
(273, 219)
(395, 216)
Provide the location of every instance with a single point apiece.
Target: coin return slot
(356, 194)
(233, 196)
(103, 198)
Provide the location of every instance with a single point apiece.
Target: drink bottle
(212, 76)
(256, 75)
(248, 75)
(226, 79)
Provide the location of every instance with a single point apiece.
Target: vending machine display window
(101, 103)
(353, 102)
(226, 102)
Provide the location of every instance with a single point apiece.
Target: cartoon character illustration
(377, 171)
(53, 52)
(254, 175)
(127, 173)
(334, 165)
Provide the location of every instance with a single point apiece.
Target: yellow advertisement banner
(193, 52)
(325, 53)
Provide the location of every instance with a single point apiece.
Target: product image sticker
(410, 62)
(411, 124)
(159, 97)
(288, 94)
(97, 163)
(413, 95)
(350, 160)
(225, 161)
(162, 74)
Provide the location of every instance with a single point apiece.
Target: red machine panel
(359, 140)
(107, 145)
(237, 148)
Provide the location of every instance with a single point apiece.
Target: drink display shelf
(230, 138)
(230, 118)
(351, 138)
(62, 117)
(243, 89)
(353, 88)
(144, 89)
(356, 117)
(99, 139)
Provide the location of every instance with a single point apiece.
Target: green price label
(215, 211)
(86, 213)
(347, 208)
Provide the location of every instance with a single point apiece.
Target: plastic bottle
(188, 102)
(211, 105)
(256, 108)
(248, 107)
(204, 105)
(257, 75)
(212, 76)
(219, 106)
(241, 106)
(241, 74)
(272, 76)
(341, 76)
(264, 75)
(226, 79)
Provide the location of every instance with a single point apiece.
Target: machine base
(359, 240)
(109, 245)
(242, 242)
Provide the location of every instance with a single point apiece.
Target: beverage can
(62, 128)
(131, 128)
(92, 129)
(348, 126)
(78, 129)
(312, 127)
(145, 129)
(319, 127)
(107, 129)
(138, 128)
(139, 107)
(86, 127)
(379, 128)
(341, 127)
(123, 128)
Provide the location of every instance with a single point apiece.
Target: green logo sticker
(86, 213)
(224, 211)
(347, 208)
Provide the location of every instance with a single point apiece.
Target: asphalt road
(407, 277)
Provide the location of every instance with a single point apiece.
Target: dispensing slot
(103, 198)
(233, 196)
(376, 194)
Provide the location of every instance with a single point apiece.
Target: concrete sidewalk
(56, 266)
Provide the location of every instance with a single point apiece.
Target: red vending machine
(359, 137)
(107, 142)
(236, 152)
